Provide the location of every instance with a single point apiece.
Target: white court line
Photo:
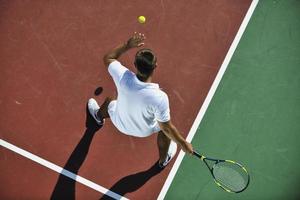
(209, 97)
(61, 170)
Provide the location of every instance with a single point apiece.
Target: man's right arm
(171, 131)
(114, 54)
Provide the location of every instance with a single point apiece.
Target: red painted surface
(51, 64)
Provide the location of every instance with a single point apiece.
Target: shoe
(93, 109)
(171, 153)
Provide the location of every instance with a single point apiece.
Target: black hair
(145, 62)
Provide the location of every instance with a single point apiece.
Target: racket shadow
(65, 186)
(133, 182)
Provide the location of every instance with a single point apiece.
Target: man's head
(145, 62)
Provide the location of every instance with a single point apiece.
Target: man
(141, 108)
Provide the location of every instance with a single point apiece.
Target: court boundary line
(60, 170)
(209, 97)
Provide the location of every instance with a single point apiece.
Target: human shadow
(133, 182)
(65, 186)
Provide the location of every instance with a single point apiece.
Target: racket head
(230, 176)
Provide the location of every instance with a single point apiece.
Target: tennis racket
(229, 175)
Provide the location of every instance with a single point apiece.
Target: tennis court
(236, 98)
(254, 114)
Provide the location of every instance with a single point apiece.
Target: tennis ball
(142, 19)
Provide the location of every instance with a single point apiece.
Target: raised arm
(171, 131)
(135, 41)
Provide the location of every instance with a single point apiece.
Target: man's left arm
(135, 41)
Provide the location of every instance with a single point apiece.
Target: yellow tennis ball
(142, 19)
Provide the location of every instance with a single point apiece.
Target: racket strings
(231, 176)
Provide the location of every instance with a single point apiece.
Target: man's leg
(103, 111)
(97, 112)
(163, 143)
(167, 149)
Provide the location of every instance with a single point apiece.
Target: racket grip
(195, 153)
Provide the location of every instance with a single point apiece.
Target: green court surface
(254, 116)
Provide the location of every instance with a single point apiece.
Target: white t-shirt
(139, 105)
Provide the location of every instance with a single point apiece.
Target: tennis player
(141, 107)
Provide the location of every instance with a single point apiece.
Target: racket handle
(195, 153)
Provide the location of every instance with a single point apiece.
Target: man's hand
(136, 40)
